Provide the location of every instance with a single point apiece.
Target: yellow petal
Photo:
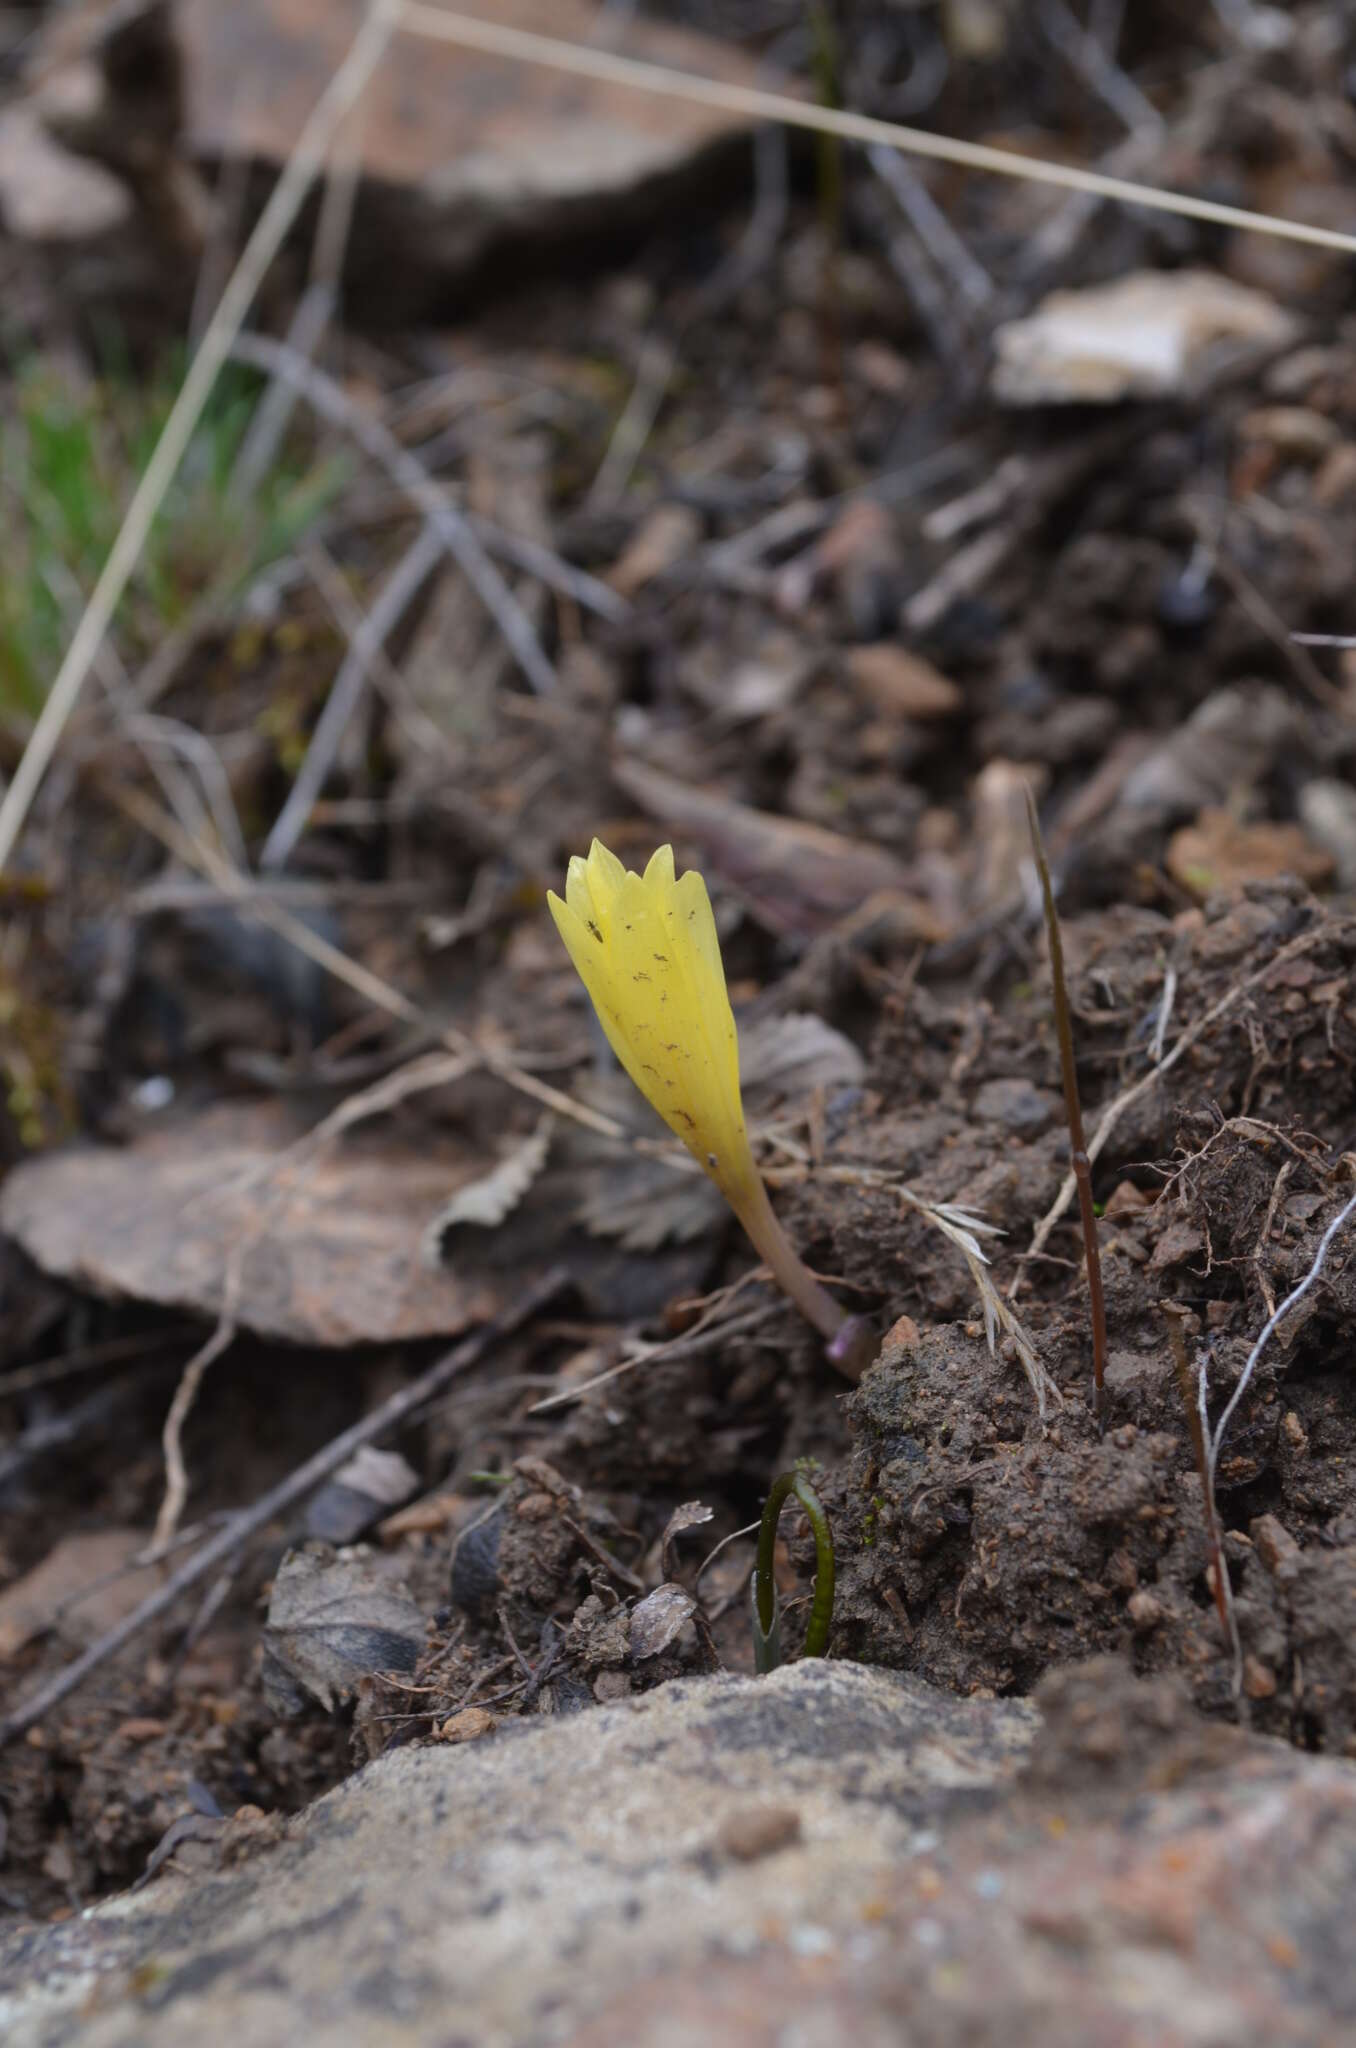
(578, 894)
(659, 869)
(585, 948)
(606, 875)
(646, 951)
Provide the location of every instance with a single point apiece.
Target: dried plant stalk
(1078, 1151)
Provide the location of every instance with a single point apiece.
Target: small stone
(1151, 334)
(1275, 1546)
(1294, 430)
(1259, 1682)
(1219, 1314)
(1018, 1105)
(1335, 482)
(1292, 1429)
(611, 1685)
(1327, 808)
(755, 1831)
(902, 685)
(1145, 1612)
(1124, 1200)
(467, 1726)
(902, 1335)
(141, 1728)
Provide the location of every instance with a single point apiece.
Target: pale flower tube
(646, 950)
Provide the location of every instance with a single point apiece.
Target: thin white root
(1215, 1443)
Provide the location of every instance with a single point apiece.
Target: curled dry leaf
(359, 1495)
(659, 1619)
(690, 1514)
(487, 1200)
(333, 1621)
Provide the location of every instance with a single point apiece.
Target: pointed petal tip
(659, 867)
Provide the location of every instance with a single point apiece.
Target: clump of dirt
(981, 1547)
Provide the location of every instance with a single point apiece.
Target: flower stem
(848, 1338)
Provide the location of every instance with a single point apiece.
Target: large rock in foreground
(830, 1854)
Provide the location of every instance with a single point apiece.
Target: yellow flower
(646, 950)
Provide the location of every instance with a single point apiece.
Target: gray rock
(808, 1857)
(1018, 1105)
(456, 149)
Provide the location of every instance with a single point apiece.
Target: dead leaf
(902, 685)
(1218, 852)
(795, 877)
(332, 1621)
(487, 1200)
(667, 534)
(658, 1619)
(785, 1059)
(82, 1587)
(689, 1514)
(620, 1194)
(328, 1255)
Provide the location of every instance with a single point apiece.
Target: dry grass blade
(253, 902)
(396, 595)
(1082, 1165)
(450, 524)
(278, 1499)
(960, 1226)
(300, 174)
(497, 39)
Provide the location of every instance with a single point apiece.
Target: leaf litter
(866, 610)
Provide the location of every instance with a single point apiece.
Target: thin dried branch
(498, 39)
(452, 526)
(398, 592)
(285, 1495)
(1073, 1109)
(284, 204)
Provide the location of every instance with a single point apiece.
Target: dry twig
(277, 217)
(447, 520)
(498, 39)
(1073, 1109)
(285, 1495)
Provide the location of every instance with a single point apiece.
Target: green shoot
(70, 456)
(767, 1646)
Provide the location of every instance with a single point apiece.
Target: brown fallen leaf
(82, 1587)
(332, 1621)
(900, 684)
(665, 536)
(326, 1255)
(1218, 852)
(796, 878)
